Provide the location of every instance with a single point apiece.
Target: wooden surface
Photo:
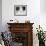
(23, 27)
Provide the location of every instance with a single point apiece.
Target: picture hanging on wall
(20, 10)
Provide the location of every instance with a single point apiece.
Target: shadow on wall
(43, 6)
(0, 15)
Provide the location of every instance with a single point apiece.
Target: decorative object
(7, 38)
(41, 36)
(20, 10)
(1, 40)
(13, 21)
(27, 21)
(45, 36)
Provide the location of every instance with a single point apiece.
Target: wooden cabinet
(22, 33)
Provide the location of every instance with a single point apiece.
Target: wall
(0, 15)
(43, 6)
(33, 10)
(43, 14)
(33, 14)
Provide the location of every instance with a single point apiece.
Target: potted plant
(41, 36)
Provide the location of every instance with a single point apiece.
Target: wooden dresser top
(19, 23)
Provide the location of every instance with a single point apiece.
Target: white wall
(43, 6)
(0, 15)
(33, 14)
(43, 14)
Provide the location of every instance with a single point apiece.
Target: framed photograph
(20, 10)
